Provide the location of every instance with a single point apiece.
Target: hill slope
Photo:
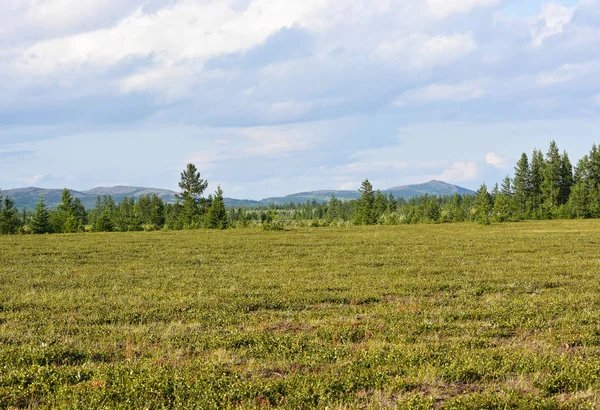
(29, 197)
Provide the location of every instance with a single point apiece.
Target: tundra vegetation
(544, 187)
(452, 316)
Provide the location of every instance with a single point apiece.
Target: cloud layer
(270, 97)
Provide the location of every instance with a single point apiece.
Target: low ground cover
(420, 316)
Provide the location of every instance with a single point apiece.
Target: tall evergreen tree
(217, 214)
(507, 187)
(566, 179)
(503, 208)
(192, 187)
(9, 217)
(594, 167)
(366, 214)
(332, 209)
(582, 170)
(67, 211)
(551, 173)
(537, 178)
(380, 205)
(40, 222)
(578, 200)
(483, 205)
(522, 185)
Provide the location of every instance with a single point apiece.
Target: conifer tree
(67, 211)
(366, 214)
(217, 214)
(503, 209)
(594, 166)
(483, 205)
(578, 200)
(332, 209)
(40, 223)
(522, 185)
(566, 179)
(9, 217)
(380, 205)
(192, 187)
(535, 197)
(551, 181)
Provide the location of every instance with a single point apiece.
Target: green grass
(425, 316)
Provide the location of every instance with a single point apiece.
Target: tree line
(544, 186)
(191, 211)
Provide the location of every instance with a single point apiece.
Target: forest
(544, 186)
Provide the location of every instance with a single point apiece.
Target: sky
(272, 97)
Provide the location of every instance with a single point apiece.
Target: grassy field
(425, 316)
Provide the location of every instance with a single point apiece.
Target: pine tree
(566, 179)
(594, 167)
(483, 205)
(192, 187)
(66, 204)
(157, 212)
(9, 217)
(535, 197)
(332, 209)
(507, 188)
(582, 170)
(551, 181)
(40, 223)
(522, 185)
(73, 224)
(502, 209)
(217, 214)
(380, 205)
(66, 211)
(578, 200)
(366, 214)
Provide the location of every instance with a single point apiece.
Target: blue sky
(271, 97)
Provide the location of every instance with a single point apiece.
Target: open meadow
(423, 316)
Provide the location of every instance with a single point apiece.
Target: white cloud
(348, 186)
(596, 99)
(563, 74)
(421, 52)
(445, 8)
(186, 30)
(552, 21)
(460, 172)
(495, 160)
(465, 91)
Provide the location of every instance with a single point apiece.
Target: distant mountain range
(29, 197)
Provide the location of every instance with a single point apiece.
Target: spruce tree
(483, 205)
(578, 200)
(522, 185)
(366, 214)
(537, 169)
(566, 179)
(503, 209)
(332, 208)
(40, 223)
(217, 214)
(594, 167)
(9, 217)
(551, 172)
(380, 205)
(66, 211)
